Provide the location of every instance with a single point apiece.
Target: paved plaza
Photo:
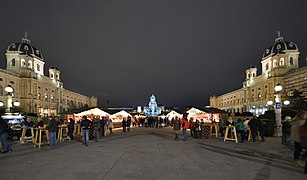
(150, 153)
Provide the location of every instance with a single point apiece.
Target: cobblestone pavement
(150, 153)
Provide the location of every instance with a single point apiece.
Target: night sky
(182, 51)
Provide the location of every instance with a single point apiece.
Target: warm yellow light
(1, 104)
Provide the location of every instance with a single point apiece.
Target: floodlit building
(279, 65)
(35, 92)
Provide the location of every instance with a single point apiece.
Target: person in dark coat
(176, 127)
(124, 124)
(4, 136)
(40, 122)
(52, 127)
(253, 125)
(103, 123)
(71, 128)
(85, 125)
(261, 130)
(128, 123)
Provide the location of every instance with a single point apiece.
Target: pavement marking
(113, 166)
(270, 161)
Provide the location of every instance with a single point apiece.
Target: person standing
(110, 126)
(240, 129)
(124, 124)
(185, 125)
(286, 131)
(176, 127)
(192, 127)
(4, 136)
(71, 128)
(103, 123)
(221, 127)
(40, 122)
(298, 121)
(96, 128)
(85, 125)
(52, 127)
(253, 126)
(128, 123)
(261, 130)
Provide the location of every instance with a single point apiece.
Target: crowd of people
(294, 130)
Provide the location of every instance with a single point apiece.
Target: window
(248, 76)
(282, 61)
(52, 75)
(23, 62)
(254, 75)
(30, 64)
(38, 67)
(13, 62)
(275, 63)
(12, 82)
(267, 66)
(57, 76)
(291, 60)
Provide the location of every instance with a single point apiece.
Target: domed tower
(251, 72)
(54, 73)
(23, 56)
(282, 55)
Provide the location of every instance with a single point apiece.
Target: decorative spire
(25, 39)
(279, 37)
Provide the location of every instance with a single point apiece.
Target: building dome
(279, 47)
(24, 48)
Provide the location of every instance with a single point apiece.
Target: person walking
(128, 123)
(4, 136)
(260, 130)
(185, 125)
(110, 126)
(240, 129)
(52, 127)
(71, 128)
(176, 127)
(85, 125)
(298, 121)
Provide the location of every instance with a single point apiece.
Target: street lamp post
(9, 90)
(278, 89)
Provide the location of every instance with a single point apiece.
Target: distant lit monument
(152, 109)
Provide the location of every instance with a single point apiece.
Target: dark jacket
(3, 126)
(253, 124)
(86, 124)
(52, 125)
(71, 125)
(40, 123)
(176, 124)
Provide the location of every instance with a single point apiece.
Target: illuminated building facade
(37, 93)
(279, 66)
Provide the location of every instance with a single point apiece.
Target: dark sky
(182, 51)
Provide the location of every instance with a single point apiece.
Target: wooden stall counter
(38, 136)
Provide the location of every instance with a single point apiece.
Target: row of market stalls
(97, 113)
(206, 115)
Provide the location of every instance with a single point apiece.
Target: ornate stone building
(279, 66)
(36, 93)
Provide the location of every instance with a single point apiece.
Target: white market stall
(118, 117)
(197, 114)
(95, 112)
(173, 114)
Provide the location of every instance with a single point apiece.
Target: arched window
(275, 63)
(30, 64)
(248, 75)
(291, 60)
(23, 62)
(38, 67)
(282, 61)
(13, 62)
(254, 75)
(267, 66)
